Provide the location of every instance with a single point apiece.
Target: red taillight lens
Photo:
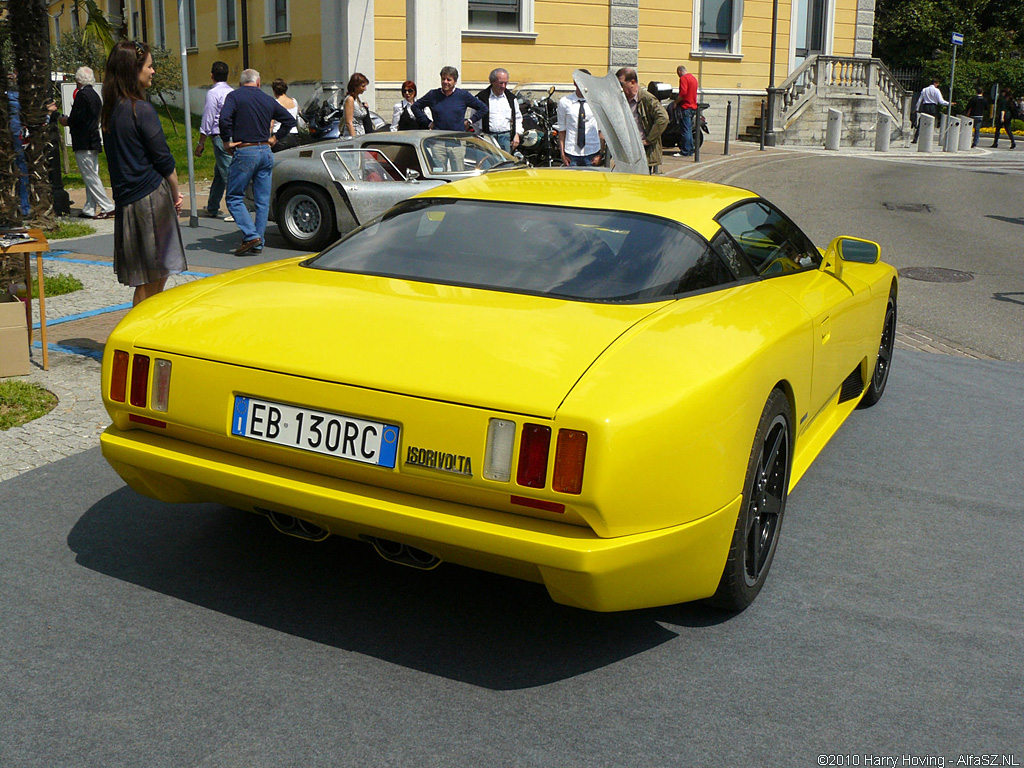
(570, 455)
(140, 380)
(119, 376)
(533, 456)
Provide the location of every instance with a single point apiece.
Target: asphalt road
(141, 634)
(963, 213)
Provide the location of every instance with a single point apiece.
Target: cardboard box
(13, 337)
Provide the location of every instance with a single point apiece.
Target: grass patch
(57, 285)
(21, 402)
(67, 229)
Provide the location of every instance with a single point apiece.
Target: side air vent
(852, 386)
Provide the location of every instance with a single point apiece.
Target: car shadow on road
(465, 625)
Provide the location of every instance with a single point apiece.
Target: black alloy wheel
(886, 345)
(764, 502)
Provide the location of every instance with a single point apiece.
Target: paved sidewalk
(79, 323)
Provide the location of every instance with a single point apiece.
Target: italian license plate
(333, 434)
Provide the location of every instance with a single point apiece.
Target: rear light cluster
(534, 456)
(141, 382)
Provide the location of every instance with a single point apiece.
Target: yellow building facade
(727, 43)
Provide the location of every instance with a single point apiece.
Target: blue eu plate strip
(389, 446)
(241, 415)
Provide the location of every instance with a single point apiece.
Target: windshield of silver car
(576, 253)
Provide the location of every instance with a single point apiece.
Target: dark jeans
(220, 175)
(581, 160)
(686, 118)
(1005, 126)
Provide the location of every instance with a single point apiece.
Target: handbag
(367, 122)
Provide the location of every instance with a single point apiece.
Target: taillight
(119, 376)
(570, 455)
(501, 437)
(140, 381)
(533, 456)
(162, 385)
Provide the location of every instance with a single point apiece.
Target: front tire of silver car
(764, 501)
(305, 217)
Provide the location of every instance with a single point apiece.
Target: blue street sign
(958, 38)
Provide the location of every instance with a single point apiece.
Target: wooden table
(38, 246)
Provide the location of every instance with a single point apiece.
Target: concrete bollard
(834, 131)
(883, 130)
(952, 135)
(966, 133)
(925, 132)
(943, 117)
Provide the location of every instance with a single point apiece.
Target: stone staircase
(860, 88)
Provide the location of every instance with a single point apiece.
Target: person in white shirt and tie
(503, 121)
(579, 140)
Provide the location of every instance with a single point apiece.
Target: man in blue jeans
(244, 127)
(210, 126)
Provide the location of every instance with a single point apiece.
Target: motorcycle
(322, 116)
(539, 144)
(672, 137)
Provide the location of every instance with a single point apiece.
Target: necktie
(581, 126)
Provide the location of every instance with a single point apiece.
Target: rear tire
(305, 216)
(880, 375)
(765, 490)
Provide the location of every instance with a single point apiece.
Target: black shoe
(994, 146)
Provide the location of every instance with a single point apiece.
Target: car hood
(508, 352)
(615, 120)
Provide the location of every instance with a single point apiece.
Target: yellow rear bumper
(661, 567)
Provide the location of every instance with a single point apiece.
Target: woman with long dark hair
(147, 240)
(357, 114)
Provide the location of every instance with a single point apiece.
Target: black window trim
(782, 214)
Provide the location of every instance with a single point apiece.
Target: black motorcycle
(539, 144)
(672, 137)
(322, 116)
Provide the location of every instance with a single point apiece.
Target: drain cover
(910, 207)
(936, 275)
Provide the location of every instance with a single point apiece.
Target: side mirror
(412, 175)
(849, 249)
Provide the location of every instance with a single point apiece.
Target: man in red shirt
(686, 108)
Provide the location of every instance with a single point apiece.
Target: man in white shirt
(930, 102)
(579, 140)
(503, 121)
(210, 128)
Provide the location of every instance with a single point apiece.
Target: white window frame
(222, 21)
(830, 29)
(525, 29)
(159, 23)
(735, 41)
(271, 17)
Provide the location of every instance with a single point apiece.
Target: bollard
(882, 132)
(943, 117)
(728, 123)
(966, 133)
(834, 130)
(952, 135)
(925, 132)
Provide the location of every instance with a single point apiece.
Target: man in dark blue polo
(245, 130)
(448, 106)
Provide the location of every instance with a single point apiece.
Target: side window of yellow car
(772, 243)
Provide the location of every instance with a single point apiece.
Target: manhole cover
(909, 207)
(936, 275)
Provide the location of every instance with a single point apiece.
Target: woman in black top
(147, 241)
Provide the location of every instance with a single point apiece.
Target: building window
(159, 23)
(719, 27)
(135, 25)
(277, 17)
(500, 16)
(228, 25)
(190, 19)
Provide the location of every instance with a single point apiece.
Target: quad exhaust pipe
(295, 526)
(403, 554)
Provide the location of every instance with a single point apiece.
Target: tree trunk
(30, 35)
(10, 204)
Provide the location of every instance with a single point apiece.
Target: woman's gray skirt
(147, 240)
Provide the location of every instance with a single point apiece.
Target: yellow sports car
(602, 382)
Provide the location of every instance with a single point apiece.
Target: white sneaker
(229, 217)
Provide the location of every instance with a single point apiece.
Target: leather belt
(252, 144)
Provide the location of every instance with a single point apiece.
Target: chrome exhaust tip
(295, 526)
(403, 554)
